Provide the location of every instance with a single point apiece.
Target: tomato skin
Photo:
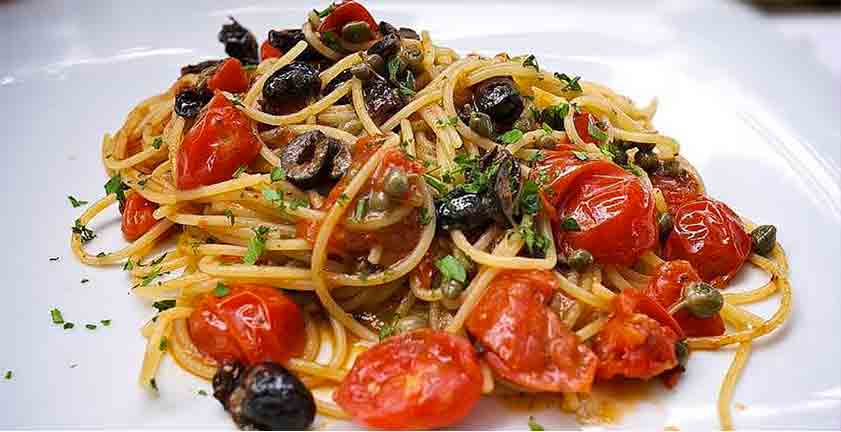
(344, 13)
(418, 380)
(711, 237)
(230, 77)
(633, 344)
(137, 216)
(525, 342)
(253, 323)
(676, 190)
(666, 288)
(219, 142)
(267, 50)
(582, 126)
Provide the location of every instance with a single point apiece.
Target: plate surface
(757, 117)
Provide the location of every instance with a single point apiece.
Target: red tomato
(582, 125)
(253, 323)
(137, 216)
(676, 190)
(525, 342)
(711, 237)
(344, 13)
(230, 77)
(666, 288)
(268, 50)
(418, 380)
(633, 344)
(219, 142)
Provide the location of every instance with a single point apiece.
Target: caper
(411, 56)
(702, 299)
(763, 239)
(411, 322)
(356, 32)
(452, 289)
(375, 62)
(481, 123)
(579, 260)
(672, 168)
(620, 157)
(362, 71)
(648, 161)
(379, 201)
(682, 352)
(547, 142)
(665, 223)
(396, 183)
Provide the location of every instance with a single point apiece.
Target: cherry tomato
(344, 13)
(418, 380)
(219, 142)
(582, 125)
(137, 216)
(632, 343)
(525, 342)
(666, 288)
(711, 237)
(230, 77)
(676, 190)
(252, 323)
(268, 50)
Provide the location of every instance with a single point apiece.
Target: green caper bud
(396, 183)
(379, 201)
(665, 223)
(362, 71)
(682, 352)
(375, 62)
(547, 142)
(411, 322)
(702, 299)
(763, 239)
(481, 123)
(620, 157)
(452, 289)
(356, 32)
(411, 56)
(672, 168)
(648, 161)
(579, 260)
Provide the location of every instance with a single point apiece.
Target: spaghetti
(469, 190)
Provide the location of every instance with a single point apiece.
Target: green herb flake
(230, 216)
(571, 84)
(116, 186)
(580, 155)
(327, 11)
(201, 393)
(424, 218)
(156, 143)
(162, 305)
(595, 131)
(256, 245)
(447, 122)
(535, 242)
(570, 224)
(239, 171)
(511, 136)
(534, 425)
(529, 200)
(76, 202)
(360, 210)
(85, 234)
(389, 328)
(158, 260)
(451, 268)
(221, 290)
(55, 258)
(436, 184)
(277, 174)
(331, 40)
(531, 61)
(162, 346)
(150, 277)
(129, 265)
(546, 129)
(55, 314)
(90, 326)
(343, 199)
(8, 375)
(105, 322)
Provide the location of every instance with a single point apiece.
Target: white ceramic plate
(757, 117)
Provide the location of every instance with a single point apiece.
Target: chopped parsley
(343, 199)
(90, 326)
(279, 200)
(451, 121)
(452, 269)
(129, 265)
(236, 101)
(55, 314)
(529, 200)
(256, 245)
(570, 224)
(158, 260)
(230, 216)
(571, 84)
(436, 184)
(221, 290)
(55, 258)
(546, 129)
(360, 210)
(239, 171)
(85, 234)
(76, 202)
(537, 156)
(162, 305)
(534, 425)
(105, 322)
(201, 393)
(531, 61)
(580, 155)
(7, 375)
(393, 67)
(331, 40)
(277, 174)
(535, 242)
(424, 218)
(389, 328)
(156, 143)
(150, 277)
(163, 344)
(116, 186)
(595, 131)
(407, 88)
(511, 136)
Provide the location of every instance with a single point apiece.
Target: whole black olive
(465, 210)
(239, 42)
(295, 83)
(284, 40)
(313, 158)
(265, 396)
(386, 47)
(189, 101)
(199, 67)
(334, 83)
(381, 99)
(498, 98)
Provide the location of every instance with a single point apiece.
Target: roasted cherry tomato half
(582, 121)
(269, 51)
(251, 324)
(220, 141)
(634, 344)
(230, 77)
(344, 13)
(423, 379)
(676, 189)
(711, 237)
(137, 216)
(526, 343)
(667, 287)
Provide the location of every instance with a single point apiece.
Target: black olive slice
(498, 98)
